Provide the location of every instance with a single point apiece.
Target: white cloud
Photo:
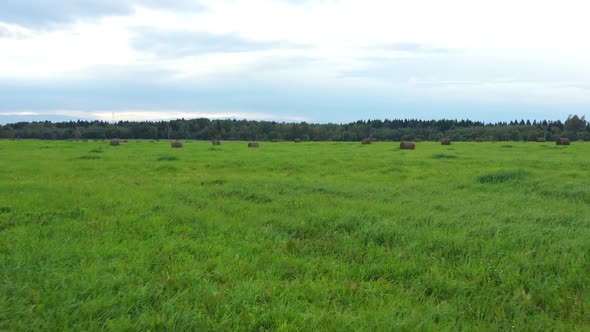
(157, 115)
(331, 43)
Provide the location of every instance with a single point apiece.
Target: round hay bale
(540, 139)
(275, 140)
(366, 141)
(563, 141)
(115, 142)
(297, 140)
(215, 142)
(253, 144)
(445, 141)
(407, 145)
(176, 144)
(478, 140)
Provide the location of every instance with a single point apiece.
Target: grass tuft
(444, 156)
(167, 158)
(502, 176)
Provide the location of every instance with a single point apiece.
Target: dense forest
(574, 128)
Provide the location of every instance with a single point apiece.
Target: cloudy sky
(294, 60)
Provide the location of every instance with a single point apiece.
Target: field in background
(295, 236)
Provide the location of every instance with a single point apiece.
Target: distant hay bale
(176, 144)
(445, 141)
(297, 140)
(215, 142)
(275, 140)
(478, 140)
(253, 144)
(540, 139)
(366, 141)
(407, 145)
(563, 141)
(115, 142)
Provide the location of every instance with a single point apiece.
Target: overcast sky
(294, 60)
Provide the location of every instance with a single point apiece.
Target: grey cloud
(174, 43)
(42, 13)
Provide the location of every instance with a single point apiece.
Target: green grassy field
(306, 236)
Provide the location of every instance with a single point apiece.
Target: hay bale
(407, 145)
(563, 141)
(540, 139)
(297, 140)
(115, 142)
(445, 141)
(478, 140)
(366, 141)
(215, 142)
(176, 144)
(275, 140)
(253, 144)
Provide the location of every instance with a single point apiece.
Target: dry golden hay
(407, 145)
(445, 141)
(115, 142)
(215, 142)
(176, 144)
(563, 141)
(366, 141)
(253, 144)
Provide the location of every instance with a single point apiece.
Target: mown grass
(310, 236)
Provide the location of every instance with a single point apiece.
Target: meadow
(309, 236)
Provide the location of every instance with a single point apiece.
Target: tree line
(574, 128)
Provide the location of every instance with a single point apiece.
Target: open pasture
(308, 236)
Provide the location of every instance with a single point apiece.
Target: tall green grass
(310, 236)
